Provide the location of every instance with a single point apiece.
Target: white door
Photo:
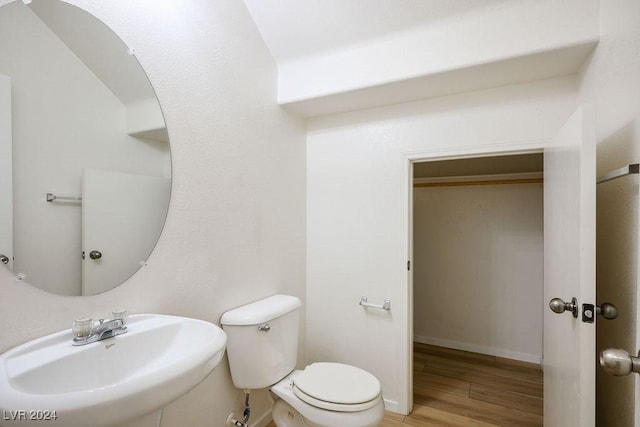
(6, 179)
(122, 218)
(569, 271)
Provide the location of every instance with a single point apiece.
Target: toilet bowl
(262, 346)
(328, 395)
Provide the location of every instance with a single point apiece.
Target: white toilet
(262, 347)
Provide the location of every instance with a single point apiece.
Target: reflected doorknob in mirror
(95, 254)
(557, 305)
(616, 361)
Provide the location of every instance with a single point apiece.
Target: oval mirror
(84, 154)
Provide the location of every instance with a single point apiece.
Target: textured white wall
(356, 180)
(64, 119)
(611, 82)
(478, 267)
(235, 229)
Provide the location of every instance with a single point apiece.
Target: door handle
(95, 254)
(606, 310)
(618, 362)
(557, 305)
(4, 259)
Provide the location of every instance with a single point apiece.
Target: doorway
(477, 277)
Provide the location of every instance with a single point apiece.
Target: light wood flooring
(458, 388)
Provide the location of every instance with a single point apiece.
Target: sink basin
(111, 381)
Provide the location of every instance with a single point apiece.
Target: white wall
(478, 269)
(235, 229)
(611, 82)
(354, 178)
(64, 119)
(356, 208)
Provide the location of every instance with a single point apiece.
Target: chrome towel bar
(385, 306)
(52, 198)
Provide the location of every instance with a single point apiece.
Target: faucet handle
(120, 314)
(81, 327)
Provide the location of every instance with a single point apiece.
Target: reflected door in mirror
(6, 180)
(120, 225)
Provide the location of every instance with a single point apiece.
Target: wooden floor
(457, 388)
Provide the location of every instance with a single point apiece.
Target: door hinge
(408, 265)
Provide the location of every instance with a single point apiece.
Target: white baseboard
(263, 420)
(391, 405)
(492, 351)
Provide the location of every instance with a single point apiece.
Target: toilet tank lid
(260, 311)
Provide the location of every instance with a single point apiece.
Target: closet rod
(486, 182)
(618, 173)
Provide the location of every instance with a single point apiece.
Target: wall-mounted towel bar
(52, 198)
(627, 170)
(385, 306)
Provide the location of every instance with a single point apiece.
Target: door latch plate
(588, 313)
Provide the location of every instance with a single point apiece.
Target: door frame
(406, 351)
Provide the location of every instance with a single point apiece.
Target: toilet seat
(337, 387)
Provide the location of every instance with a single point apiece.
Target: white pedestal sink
(107, 382)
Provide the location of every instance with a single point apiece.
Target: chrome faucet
(87, 331)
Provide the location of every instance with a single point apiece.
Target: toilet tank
(262, 340)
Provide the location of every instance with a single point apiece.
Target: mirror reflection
(84, 155)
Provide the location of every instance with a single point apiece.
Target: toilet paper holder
(386, 306)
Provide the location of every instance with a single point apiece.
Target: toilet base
(288, 410)
(285, 416)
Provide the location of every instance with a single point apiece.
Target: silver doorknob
(618, 362)
(95, 254)
(4, 259)
(607, 310)
(557, 305)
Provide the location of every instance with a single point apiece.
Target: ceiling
(82, 33)
(343, 55)
(293, 28)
